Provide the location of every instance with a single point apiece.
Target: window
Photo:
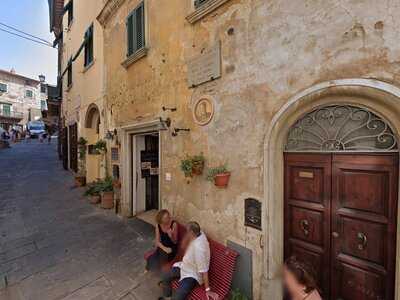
(135, 30)
(3, 87)
(198, 3)
(69, 8)
(43, 88)
(29, 93)
(89, 46)
(6, 110)
(43, 105)
(69, 71)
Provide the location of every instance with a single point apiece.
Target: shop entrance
(145, 149)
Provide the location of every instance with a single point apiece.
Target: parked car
(36, 128)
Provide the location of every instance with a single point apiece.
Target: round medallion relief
(203, 110)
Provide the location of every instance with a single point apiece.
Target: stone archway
(92, 118)
(379, 97)
(91, 133)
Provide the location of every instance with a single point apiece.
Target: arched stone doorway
(378, 97)
(91, 132)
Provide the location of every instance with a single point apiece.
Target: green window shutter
(140, 42)
(198, 3)
(88, 41)
(6, 110)
(135, 28)
(129, 30)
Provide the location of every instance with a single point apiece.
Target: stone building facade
(20, 99)
(279, 60)
(80, 41)
(259, 67)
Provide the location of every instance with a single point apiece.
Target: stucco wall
(16, 95)
(277, 49)
(87, 83)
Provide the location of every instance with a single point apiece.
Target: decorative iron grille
(341, 128)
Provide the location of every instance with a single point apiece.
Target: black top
(167, 241)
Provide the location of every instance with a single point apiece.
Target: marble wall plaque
(205, 67)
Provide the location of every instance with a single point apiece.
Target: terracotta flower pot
(95, 199)
(221, 180)
(107, 200)
(198, 168)
(80, 180)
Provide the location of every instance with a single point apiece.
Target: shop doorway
(145, 165)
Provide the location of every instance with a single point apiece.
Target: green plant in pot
(93, 191)
(238, 295)
(107, 193)
(80, 177)
(187, 166)
(220, 175)
(101, 146)
(198, 164)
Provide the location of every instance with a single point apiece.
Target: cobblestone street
(55, 245)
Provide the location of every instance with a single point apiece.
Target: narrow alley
(54, 244)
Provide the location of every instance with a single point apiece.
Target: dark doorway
(151, 142)
(340, 216)
(73, 147)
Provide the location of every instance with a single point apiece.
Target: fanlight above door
(341, 128)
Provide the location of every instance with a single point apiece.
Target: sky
(26, 57)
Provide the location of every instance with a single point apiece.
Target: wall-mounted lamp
(172, 109)
(166, 122)
(110, 135)
(176, 131)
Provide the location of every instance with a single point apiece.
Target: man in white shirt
(193, 269)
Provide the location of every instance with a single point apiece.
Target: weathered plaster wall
(87, 82)
(276, 49)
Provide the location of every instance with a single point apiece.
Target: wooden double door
(340, 216)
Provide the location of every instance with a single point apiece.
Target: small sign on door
(304, 174)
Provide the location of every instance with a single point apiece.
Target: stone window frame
(142, 52)
(204, 9)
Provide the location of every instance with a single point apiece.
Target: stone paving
(55, 245)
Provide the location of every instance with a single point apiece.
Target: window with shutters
(29, 93)
(69, 73)
(89, 46)
(69, 8)
(135, 28)
(6, 111)
(3, 88)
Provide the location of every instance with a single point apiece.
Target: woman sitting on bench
(166, 241)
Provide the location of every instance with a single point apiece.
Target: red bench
(222, 267)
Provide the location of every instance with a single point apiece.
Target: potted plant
(187, 166)
(238, 295)
(220, 175)
(80, 177)
(198, 164)
(107, 193)
(193, 165)
(101, 146)
(93, 191)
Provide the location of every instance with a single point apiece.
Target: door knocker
(305, 226)
(362, 241)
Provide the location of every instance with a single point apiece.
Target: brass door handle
(362, 241)
(305, 226)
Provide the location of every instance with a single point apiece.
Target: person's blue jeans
(185, 285)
